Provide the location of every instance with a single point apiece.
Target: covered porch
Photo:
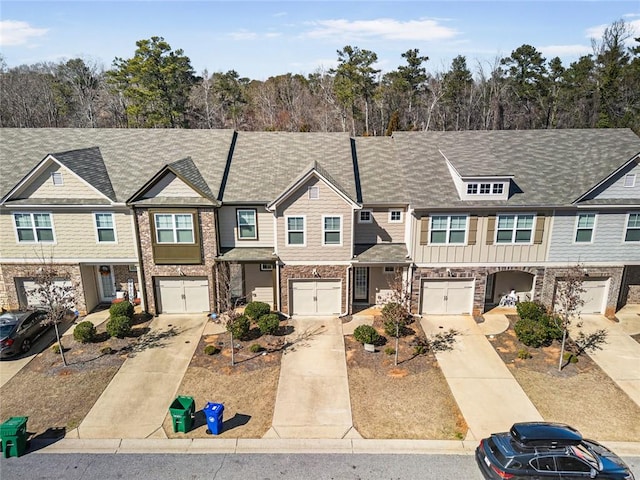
(500, 284)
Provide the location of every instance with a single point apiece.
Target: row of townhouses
(318, 223)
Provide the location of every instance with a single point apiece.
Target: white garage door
(596, 291)
(182, 295)
(29, 297)
(453, 297)
(315, 297)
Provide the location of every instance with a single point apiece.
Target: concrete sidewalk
(619, 357)
(313, 391)
(136, 402)
(489, 397)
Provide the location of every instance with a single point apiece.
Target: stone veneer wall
(325, 272)
(28, 270)
(631, 287)
(151, 270)
(552, 275)
(478, 274)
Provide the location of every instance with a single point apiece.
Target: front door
(361, 284)
(106, 283)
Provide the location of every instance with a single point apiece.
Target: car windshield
(583, 453)
(6, 329)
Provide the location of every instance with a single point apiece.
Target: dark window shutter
(424, 230)
(491, 229)
(473, 229)
(540, 221)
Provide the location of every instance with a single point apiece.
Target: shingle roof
(551, 167)
(88, 164)
(188, 170)
(248, 254)
(382, 175)
(381, 253)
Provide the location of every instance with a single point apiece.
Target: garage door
(450, 297)
(315, 297)
(596, 291)
(27, 291)
(182, 295)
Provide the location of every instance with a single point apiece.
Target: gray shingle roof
(381, 253)
(551, 167)
(248, 254)
(382, 175)
(88, 164)
(186, 169)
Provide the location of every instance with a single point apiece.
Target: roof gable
(621, 187)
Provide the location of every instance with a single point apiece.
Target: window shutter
(473, 229)
(540, 221)
(491, 229)
(424, 230)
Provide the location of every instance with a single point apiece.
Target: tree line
(158, 88)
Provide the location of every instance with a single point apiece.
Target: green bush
(55, 348)
(420, 349)
(211, 350)
(569, 357)
(256, 348)
(119, 326)
(84, 332)
(106, 350)
(121, 309)
(255, 310)
(534, 333)
(523, 354)
(366, 334)
(394, 311)
(531, 310)
(239, 327)
(269, 323)
(390, 351)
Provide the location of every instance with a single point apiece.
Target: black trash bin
(214, 414)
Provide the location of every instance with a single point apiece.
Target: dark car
(18, 331)
(540, 450)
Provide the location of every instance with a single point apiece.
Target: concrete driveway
(9, 367)
(489, 397)
(313, 391)
(136, 402)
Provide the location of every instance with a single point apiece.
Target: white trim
(255, 222)
(266, 267)
(399, 210)
(174, 228)
(293, 188)
(632, 177)
(341, 231)
(66, 206)
(370, 215)
(626, 229)
(300, 263)
(514, 229)
(113, 222)
(447, 230)
(33, 228)
(597, 185)
(593, 228)
(304, 231)
(83, 261)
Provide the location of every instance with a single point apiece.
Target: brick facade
(323, 272)
(631, 286)
(150, 270)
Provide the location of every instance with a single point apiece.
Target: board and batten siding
(481, 249)
(72, 187)
(171, 186)
(75, 235)
(380, 229)
(616, 189)
(228, 225)
(329, 203)
(607, 242)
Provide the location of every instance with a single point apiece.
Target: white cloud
(243, 35)
(273, 34)
(550, 51)
(280, 14)
(15, 32)
(384, 28)
(598, 30)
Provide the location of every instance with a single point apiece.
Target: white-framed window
(266, 267)
(485, 188)
(314, 193)
(133, 267)
(585, 225)
(56, 178)
(632, 233)
(247, 224)
(331, 230)
(389, 270)
(515, 228)
(498, 188)
(174, 228)
(105, 227)
(630, 180)
(365, 216)
(295, 231)
(448, 229)
(34, 227)
(395, 216)
(472, 189)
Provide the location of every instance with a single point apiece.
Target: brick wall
(326, 272)
(631, 286)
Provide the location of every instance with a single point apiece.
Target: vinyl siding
(607, 243)
(616, 189)
(379, 289)
(75, 235)
(380, 229)
(42, 186)
(329, 203)
(171, 186)
(258, 284)
(229, 227)
(480, 252)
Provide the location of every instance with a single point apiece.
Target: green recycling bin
(182, 411)
(13, 435)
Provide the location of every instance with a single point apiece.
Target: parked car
(18, 331)
(543, 450)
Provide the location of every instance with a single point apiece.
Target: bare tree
(568, 302)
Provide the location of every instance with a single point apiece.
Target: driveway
(9, 367)
(136, 402)
(313, 391)
(489, 397)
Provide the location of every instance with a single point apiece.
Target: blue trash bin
(214, 414)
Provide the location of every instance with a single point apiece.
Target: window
(295, 231)
(485, 188)
(174, 228)
(314, 193)
(106, 231)
(56, 177)
(133, 267)
(472, 189)
(389, 270)
(633, 228)
(498, 188)
(584, 227)
(332, 230)
(515, 229)
(544, 464)
(572, 464)
(448, 229)
(266, 267)
(630, 180)
(365, 216)
(34, 227)
(247, 225)
(395, 216)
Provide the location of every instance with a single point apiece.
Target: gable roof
(382, 177)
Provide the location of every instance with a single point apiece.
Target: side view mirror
(593, 473)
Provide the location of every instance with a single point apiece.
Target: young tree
(395, 313)
(568, 301)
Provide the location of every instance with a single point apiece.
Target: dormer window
(472, 189)
(498, 188)
(487, 190)
(56, 178)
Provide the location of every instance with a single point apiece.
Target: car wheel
(26, 345)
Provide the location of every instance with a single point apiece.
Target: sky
(259, 39)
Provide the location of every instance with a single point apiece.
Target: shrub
(106, 350)
(523, 354)
(533, 333)
(119, 326)
(121, 309)
(255, 348)
(211, 350)
(390, 351)
(55, 348)
(420, 349)
(531, 310)
(255, 310)
(239, 327)
(569, 357)
(395, 316)
(366, 334)
(84, 332)
(269, 323)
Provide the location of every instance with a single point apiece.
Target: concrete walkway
(312, 400)
(490, 399)
(619, 357)
(136, 402)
